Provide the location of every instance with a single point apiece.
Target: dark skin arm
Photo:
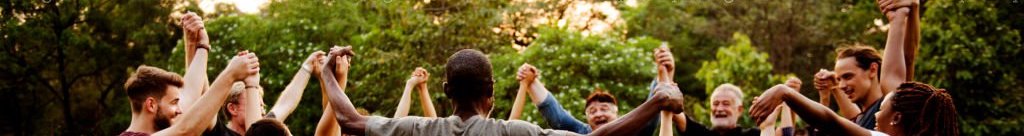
(667, 98)
(810, 111)
(345, 113)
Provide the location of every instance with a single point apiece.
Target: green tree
(973, 49)
(66, 58)
(573, 65)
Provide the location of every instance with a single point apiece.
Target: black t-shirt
(693, 128)
(220, 129)
(866, 119)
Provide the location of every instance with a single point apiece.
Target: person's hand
(527, 74)
(670, 96)
(794, 83)
(765, 104)
(342, 58)
(314, 62)
(243, 65)
(824, 81)
(881, 5)
(665, 62)
(893, 5)
(419, 76)
(195, 32)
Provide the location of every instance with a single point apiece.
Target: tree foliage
(65, 58)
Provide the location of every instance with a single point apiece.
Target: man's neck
(141, 124)
(870, 100)
(465, 115)
(236, 127)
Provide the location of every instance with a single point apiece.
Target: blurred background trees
(65, 61)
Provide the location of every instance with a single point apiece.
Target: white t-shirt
(876, 133)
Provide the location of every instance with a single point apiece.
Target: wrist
(306, 68)
(252, 86)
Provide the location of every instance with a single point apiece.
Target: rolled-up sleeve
(558, 118)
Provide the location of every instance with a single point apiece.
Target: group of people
(873, 94)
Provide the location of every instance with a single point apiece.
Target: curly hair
(926, 110)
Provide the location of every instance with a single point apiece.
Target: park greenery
(65, 61)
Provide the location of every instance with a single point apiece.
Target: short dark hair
(601, 96)
(864, 55)
(267, 127)
(469, 77)
(147, 82)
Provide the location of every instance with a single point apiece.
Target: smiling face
(726, 106)
(855, 81)
(886, 118)
(167, 109)
(600, 113)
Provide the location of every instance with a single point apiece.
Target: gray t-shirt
(454, 126)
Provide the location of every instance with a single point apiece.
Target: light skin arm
(787, 119)
(769, 122)
(680, 120)
(254, 102)
(893, 63)
(426, 103)
(666, 65)
(417, 78)
(824, 82)
(406, 101)
(327, 126)
(290, 97)
(530, 76)
(913, 29)
(520, 101)
(810, 111)
(197, 45)
(195, 121)
(666, 98)
(345, 113)
(847, 108)
(195, 80)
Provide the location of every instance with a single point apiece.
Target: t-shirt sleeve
(405, 126)
(521, 128)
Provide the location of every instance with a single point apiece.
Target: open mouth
(600, 122)
(849, 92)
(721, 115)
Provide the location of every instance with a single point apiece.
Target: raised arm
(253, 100)
(425, 101)
(666, 98)
(327, 125)
(768, 126)
(345, 113)
(893, 63)
(195, 121)
(812, 112)
(520, 101)
(292, 94)
(913, 29)
(666, 67)
(419, 76)
(197, 46)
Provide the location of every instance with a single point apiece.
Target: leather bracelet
(305, 67)
(253, 87)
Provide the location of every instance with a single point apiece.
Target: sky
(245, 6)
